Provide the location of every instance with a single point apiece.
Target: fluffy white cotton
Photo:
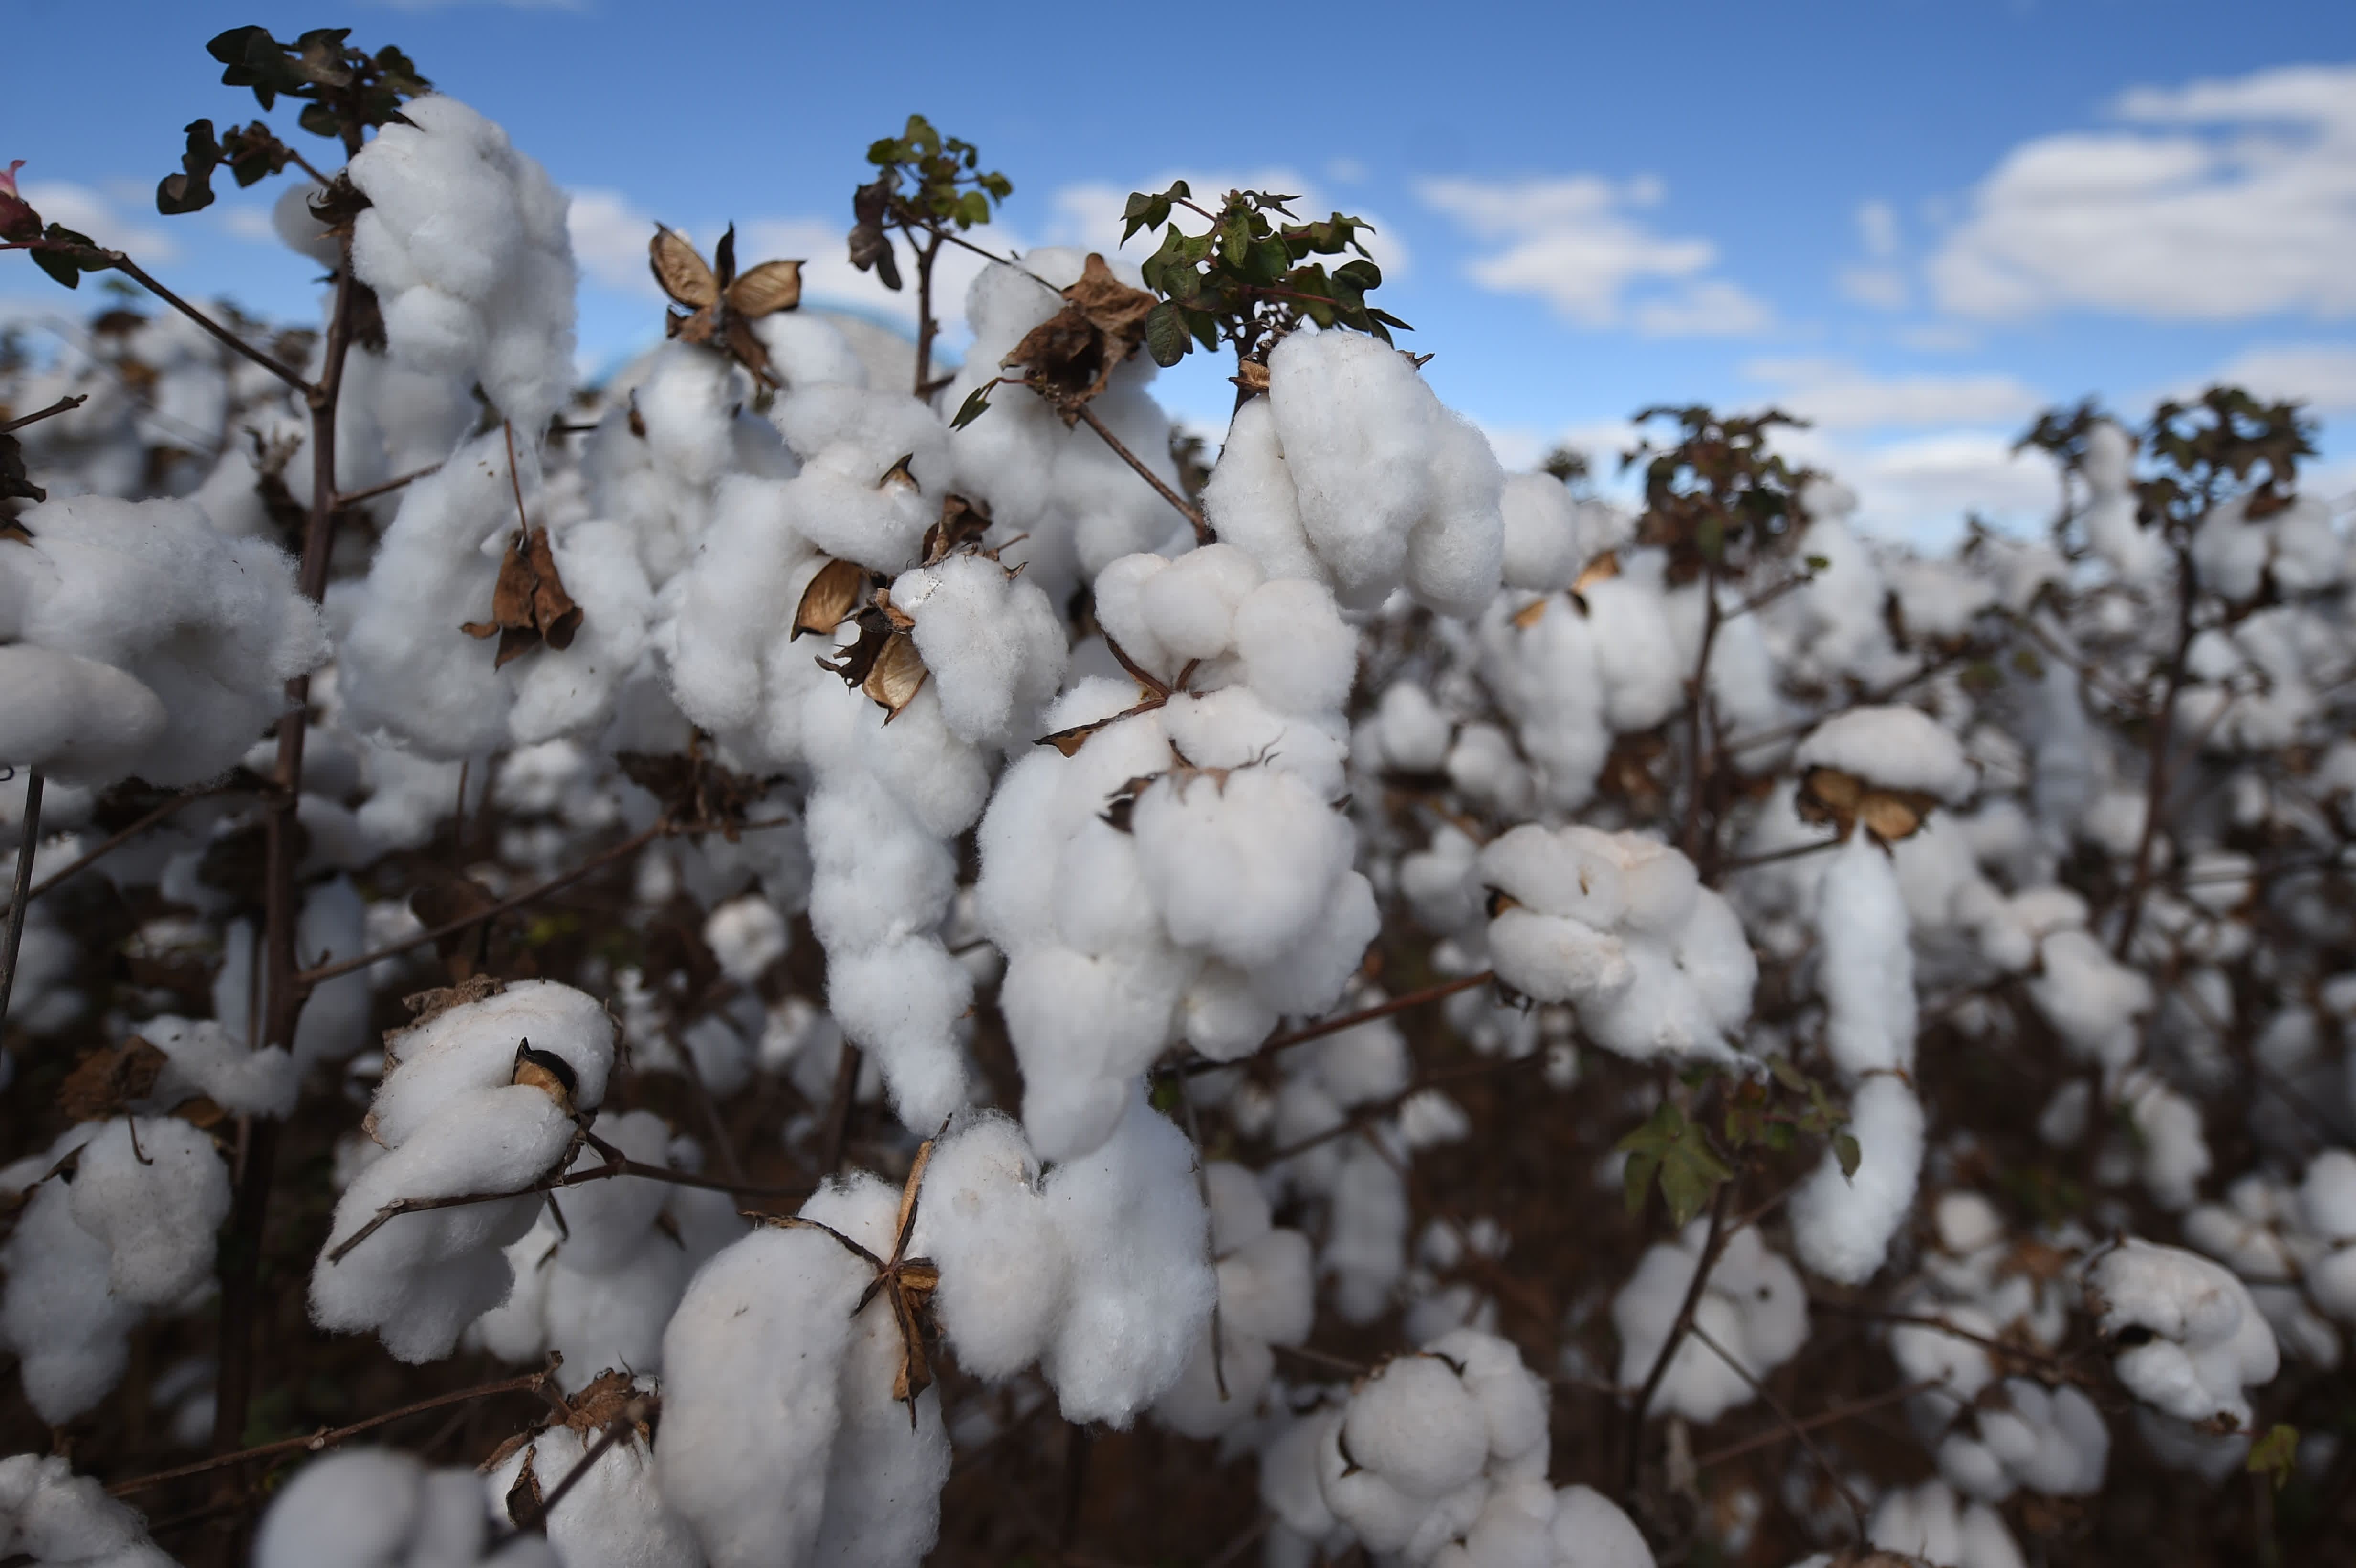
(1005, 1270)
(1927, 1523)
(615, 1517)
(136, 639)
(1618, 925)
(1842, 1225)
(374, 1508)
(49, 1516)
(1892, 748)
(1867, 968)
(2047, 1440)
(2191, 1339)
(1754, 1305)
(465, 242)
(152, 1189)
(454, 1122)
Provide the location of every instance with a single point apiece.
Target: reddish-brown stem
(10, 427)
(328, 1437)
(116, 842)
(837, 1108)
(926, 327)
(1335, 1025)
(1696, 707)
(1790, 852)
(1186, 508)
(354, 498)
(1366, 1115)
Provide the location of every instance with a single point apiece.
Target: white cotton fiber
(2193, 1338)
(70, 1333)
(375, 1508)
(615, 1517)
(1842, 1225)
(992, 643)
(154, 1206)
(1754, 1305)
(464, 242)
(145, 642)
(1892, 747)
(1541, 536)
(49, 1516)
(1866, 971)
(1005, 1267)
(1133, 1224)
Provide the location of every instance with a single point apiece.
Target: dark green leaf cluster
(1247, 279)
(1717, 498)
(1676, 1150)
(2225, 443)
(1769, 1113)
(2061, 433)
(249, 153)
(924, 181)
(342, 89)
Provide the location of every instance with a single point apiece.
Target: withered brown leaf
(109, 1078)
(722, 302)
(529, 604)
(962, 522)
(897, 676)
(830, 598)
(1844, 800)
(1071, 355)
(680, 270)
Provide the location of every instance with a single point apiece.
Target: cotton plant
(51, 1518)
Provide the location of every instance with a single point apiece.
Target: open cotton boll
(1293, 648)
(1238, 866)
(1542, 535)
(375, 1507)
(59, 1312)
(1891, 747)
(1415, 1424)
(1455, 554)
(49, 1516)
(204, 1060)
(145, 640)
(1867, 971)
(1251, 502)
(1409, 732)
(1364, 1248)
(473, 1046)
(615, 1517)
(1133, 1224)
(1005, 1267)
(2089, 998)
(1753, 1305)
(1359, 431)
(1842, 1225)
(154, 1206)
(1590, 1530)
(847, 439)
(1189, 606)
(1924, 1522)
(1636, 648)
(464, 242)
(2049, 1440)
(2192, 1339)
(1546, 677)
(991, 644)
(2135, 554)
(2173, 1156)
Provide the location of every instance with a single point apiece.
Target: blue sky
(1917, 220)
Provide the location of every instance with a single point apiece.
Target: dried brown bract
(1069, 357)
(1844, 800)
(108, 1079)
(723, 303)
(529, 604)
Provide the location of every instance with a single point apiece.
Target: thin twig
(10, 427)
(625, 1421)
(1367, 1114)
(1832, 1417)
(121, 263)
(2061, 1367)
(1186, 508)
(29, 840)
(1790, 852)
(2157, 764)
(354, 498)
(118, 841)
(1697, 711)
(1227, 1555)
(837, 1108)
(328, 1437)
(1342, 1364)
(1856, 1506)
(1683, 1320)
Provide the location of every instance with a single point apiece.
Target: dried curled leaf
(1844, 800)
(1071, 355)
(529, 604)
(723, 303)
(108, 1079)
(831, 598)
(695, 788)
(770, 287)
(897, 676)
(962, 523)
(680, 270)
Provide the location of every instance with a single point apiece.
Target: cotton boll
(1590, 1532)
(992, 645)
(1365, 1242)
(1120, 595)
(614, 1517)
(49, 1515)
(1250, 501)
(203, 1059)
(473, 1046)
(1842, 1225)
(1135, 1228)
(1414, 1423)
(155, 1214)
(1541, 532)
(74, 718)
(374, 1508)
(1189, 608)
(1295, 650)
(1754, 1305)
(1925, 1522)
(1635, 650)
(2194, 1338)
(1005, 1267)
(58, 1313)
(1411, 730)
(1456, 553)
(1866, 974)
(806, 349)
(1240, 865)
(1359, 430)
(1891, 747)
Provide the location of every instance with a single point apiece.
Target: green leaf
(977, 402)
(319, 119)
(1165, 335)
(2276, 1455)
(1818, 563)
(1637, 1180)
(1844, 1150)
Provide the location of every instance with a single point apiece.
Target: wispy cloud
(1833, 395)
(1576, 242)
(2218, 201)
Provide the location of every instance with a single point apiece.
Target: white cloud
(1878, 282)
(86, 211)
(1573, 242)
(1836, 396)
(248, 221)
(2321, 375)
(609, 240)
(2220, 201)
(1918, 490)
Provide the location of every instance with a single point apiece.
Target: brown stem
(29, 840)
(354, 498)
(1895, 688)
(1683, 1320)
(1332, 1363)
(328, 1437)
(10, 427)
(1923, 1320)
(837, 1108)
(2163, 726)
(1832, 1417)
(121, 263)
(1696, 704)
(926, 327)
(116, 842)
(1367, 1114)
(1341, 1022)
(1790, 852)
(1186, 508)
(625, 1422)
(284, 990)
(1855, 1507)
(709, 1109)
